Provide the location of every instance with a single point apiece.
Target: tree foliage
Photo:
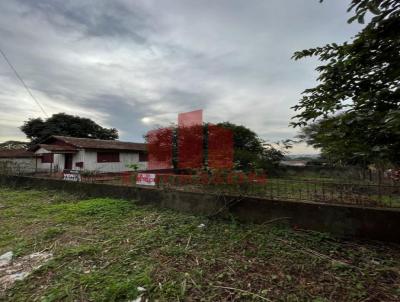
(358, 93)
(251, 152)
(38, 129)
(343, 139)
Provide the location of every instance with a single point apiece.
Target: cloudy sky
(133, 64)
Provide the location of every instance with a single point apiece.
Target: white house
(59, 153)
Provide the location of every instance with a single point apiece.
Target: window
(79, 164)
(47, 158)
(143, 156)
(107, 157)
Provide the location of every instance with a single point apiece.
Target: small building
(17, 161)
(59, 153)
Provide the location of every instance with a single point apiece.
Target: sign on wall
(72, 176)
(146, 179)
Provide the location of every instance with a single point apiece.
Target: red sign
(146, 179)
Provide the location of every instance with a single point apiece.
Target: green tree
(359, 87)
(67, 125)
(331, 136)
(251, 152)
(344, 139)
(247, 146)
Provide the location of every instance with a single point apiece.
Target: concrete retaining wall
(339, 220)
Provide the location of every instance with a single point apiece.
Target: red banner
(190, 140)
(220, 147)
(159, 147)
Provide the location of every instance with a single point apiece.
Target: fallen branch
(319, 255)
(188, 242)
(243, 291)
(226, 206)
(276, 219)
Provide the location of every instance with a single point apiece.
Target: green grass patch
(108, 250)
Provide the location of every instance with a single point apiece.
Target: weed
(52, 233)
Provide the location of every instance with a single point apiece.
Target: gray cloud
(92, 18)
(126, 116)
(134, 64)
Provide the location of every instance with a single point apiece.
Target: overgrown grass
(104, 249)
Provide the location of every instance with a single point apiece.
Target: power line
(23, 83)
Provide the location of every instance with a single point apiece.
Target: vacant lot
(107, 249)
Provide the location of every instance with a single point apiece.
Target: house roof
(15, 153)
(58, 148)
(90, 143)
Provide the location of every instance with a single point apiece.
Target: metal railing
(332, 192)
(376, 195)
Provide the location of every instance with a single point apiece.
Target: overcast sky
(134, 64)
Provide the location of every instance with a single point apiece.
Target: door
(68, 162)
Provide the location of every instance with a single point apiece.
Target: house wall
(17, 165)
(126, 158)
(89, 159)
(78, 157)
(58, 163)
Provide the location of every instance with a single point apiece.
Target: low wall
(339, 220)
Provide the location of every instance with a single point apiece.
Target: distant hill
(13, 145)
(302, 156)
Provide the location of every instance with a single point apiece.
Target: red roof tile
(16, 153)
(90, 143)
(59, 148)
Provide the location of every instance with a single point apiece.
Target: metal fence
(377, 195)
(332, 192)
(374, 195)
(350, 174)
(312, 191)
